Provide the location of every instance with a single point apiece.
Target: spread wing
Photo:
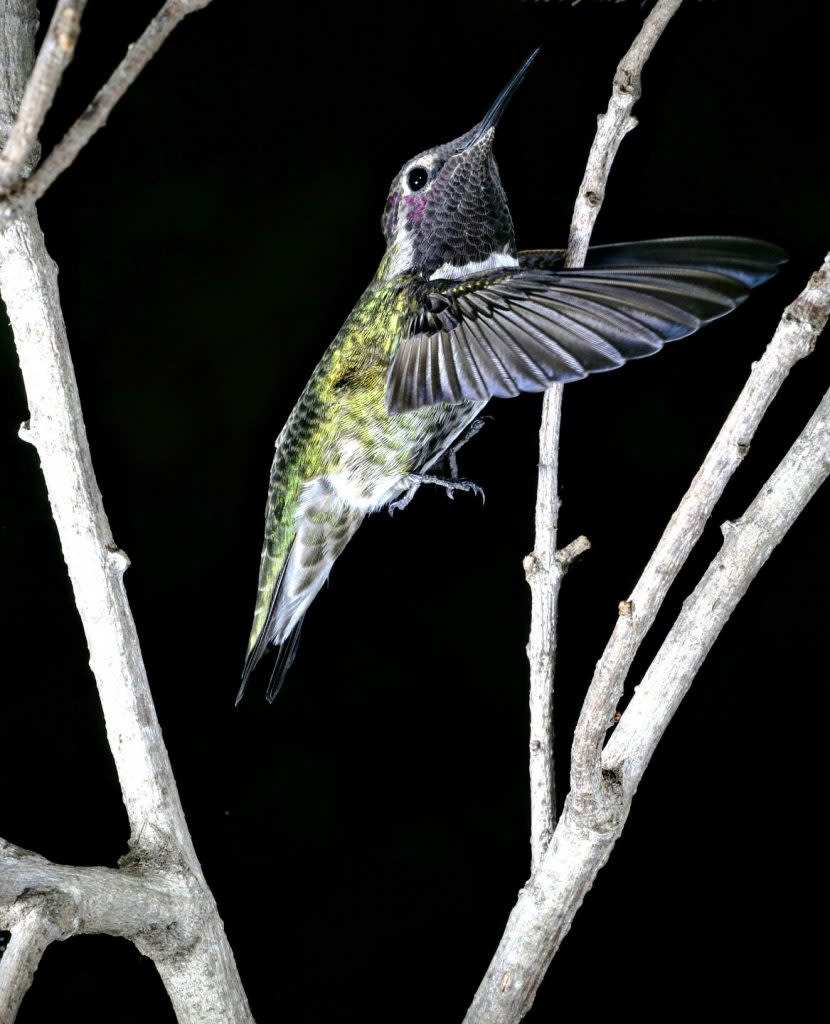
(524, 329)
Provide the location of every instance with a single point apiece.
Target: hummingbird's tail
(300, 548)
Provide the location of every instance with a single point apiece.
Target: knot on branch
(117, 560)
(627, 82)
(807, 316)
(57, 910)
(625, 609)
(532, 566)
(728, 527)
(601, 808)
(165, 942)
(25, 433)
(68, 29)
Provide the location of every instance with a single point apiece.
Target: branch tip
(567, 555)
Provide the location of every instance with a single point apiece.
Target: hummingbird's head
(447, 209)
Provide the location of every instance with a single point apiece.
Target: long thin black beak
(491, 118)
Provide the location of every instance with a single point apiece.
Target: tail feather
(322, 526)
(284, 661)
(261, 634)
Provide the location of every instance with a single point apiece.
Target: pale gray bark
(794, 338)
(55, 55)
(543, 568)
(158, 898)
(34, 924)
(593, 817)
(748, 542)
(567, 858)
(95, 116)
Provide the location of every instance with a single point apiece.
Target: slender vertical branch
(543, 571)
(612, 128)
(587, 831)
(29, 285)
(545, 578)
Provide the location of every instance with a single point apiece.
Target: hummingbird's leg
(404, 500)
(468, 435)
(454, 483)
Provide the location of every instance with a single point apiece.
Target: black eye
(417, 178)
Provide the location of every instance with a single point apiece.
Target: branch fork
(158, 897)
(604, 776)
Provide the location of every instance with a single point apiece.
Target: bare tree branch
(612, 128)
(587, 831)
(96, 114)
(748, 543)
(544, 576)
(201, 977)
(161, 872)
(28, 283)
(55, 55)
(104, 900)
(595, 811)
(794, 338)
(544, 573)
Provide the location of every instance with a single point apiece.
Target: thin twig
(55, 55)
(96, 114)
(612, 128)
(794, 338)
(545, 578)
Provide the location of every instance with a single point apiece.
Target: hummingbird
(454, 316)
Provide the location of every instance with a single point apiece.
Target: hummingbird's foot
(468, 435)
(450, 486)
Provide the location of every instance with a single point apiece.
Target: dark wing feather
(525, 329)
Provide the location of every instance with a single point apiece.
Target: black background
(366, 835)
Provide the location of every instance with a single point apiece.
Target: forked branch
(158, 897)
(565, 860)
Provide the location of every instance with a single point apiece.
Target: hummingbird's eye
(417, 178)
